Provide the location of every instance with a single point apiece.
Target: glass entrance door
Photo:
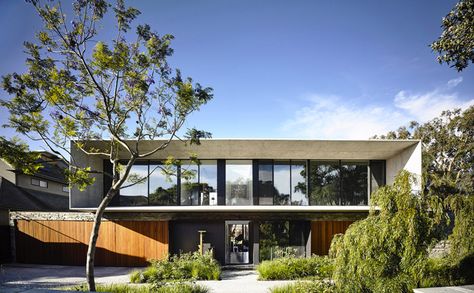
(237, 242)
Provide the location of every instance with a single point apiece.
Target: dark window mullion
(199, 184)
(308, 185)
(148, 183)
(291, 187)
(273, 180)
(340, 182)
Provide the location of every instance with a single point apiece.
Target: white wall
(409, 160)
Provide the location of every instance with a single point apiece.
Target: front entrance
(237, 244)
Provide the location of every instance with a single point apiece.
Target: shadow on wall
(32, 250)
(5, 255)
(121, 243)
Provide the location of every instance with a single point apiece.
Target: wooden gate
(120, 243)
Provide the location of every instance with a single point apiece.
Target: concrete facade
(257, 223)
(398, 154)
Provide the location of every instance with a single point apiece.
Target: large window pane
(189, 184)
(299, 195)
(265, 182)
(238, 182)
(282, 238)
(281, 182)
(324, 183)
(208, 182)
(136, 194)
(354, 183)
(163, 188)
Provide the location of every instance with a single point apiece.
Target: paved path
(19, 278)
(23, 278)
(241, 281)
(460, 289)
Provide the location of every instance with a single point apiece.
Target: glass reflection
(238, 182)
(324, 180)
(163, 188)
(281, 182)
(189, 184)
(298, 183)
(136, 194)
(354, 188)
(265, 182)
(208, 182)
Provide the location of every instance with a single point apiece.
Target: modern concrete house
(250, 198)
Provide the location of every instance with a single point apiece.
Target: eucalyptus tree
(78, 88)
(455, 46)
(448, 151)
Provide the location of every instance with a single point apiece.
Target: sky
(292, 69)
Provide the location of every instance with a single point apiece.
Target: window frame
(39, 184)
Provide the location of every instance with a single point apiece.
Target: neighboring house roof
(53, 167)
(16, 198)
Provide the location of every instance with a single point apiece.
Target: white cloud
(423, 107)
(332, 117)
(454, 82)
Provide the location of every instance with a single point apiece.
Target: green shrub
(175, 287)
(187, 266)
(135, 276)
(449, 272)
(305, 286)
(387, 251)
(291, 268)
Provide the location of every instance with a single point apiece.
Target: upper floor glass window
(338, 183)
(189, 184)
(199, 183)
(282, 182)
(354, 185)
(148, 185)
(299, 195)
(265, 182)
(238, 182)
(134, 191)
(163, 187)
(208, 182)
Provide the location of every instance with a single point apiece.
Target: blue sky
(294, 69)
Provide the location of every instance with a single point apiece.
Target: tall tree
(76, 89)
(448, 151)
(455, 46)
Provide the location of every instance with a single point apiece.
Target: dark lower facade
(242, 240)
(135, 239)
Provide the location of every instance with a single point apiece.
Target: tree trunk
(93, 239)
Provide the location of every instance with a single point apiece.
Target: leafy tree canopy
(455, 46)
(448, 151)
(78, 88)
